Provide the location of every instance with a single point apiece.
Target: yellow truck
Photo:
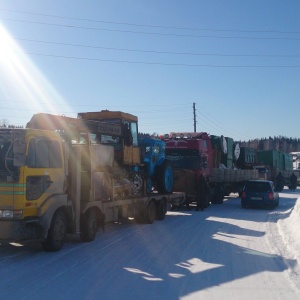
(55, 179)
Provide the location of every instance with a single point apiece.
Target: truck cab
(191, 156)
(118, 129)
(32, 170)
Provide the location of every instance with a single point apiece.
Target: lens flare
(23, 83)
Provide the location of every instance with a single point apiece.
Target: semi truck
(268, 163)
(57, 178)
(225, 165)
(197, 153)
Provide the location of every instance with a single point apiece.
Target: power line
(92, 105)
(152, 33)
(159, 52)
(221, 129)
(160, 63)
(152, 26)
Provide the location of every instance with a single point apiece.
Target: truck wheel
(165, 178)
(161, 210)
(88, 226)
(151, 212)
(57, 234)
(137, 183)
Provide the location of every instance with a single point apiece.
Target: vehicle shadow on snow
(196, 266)
(186, 253)
(19, 249)
(203, 261)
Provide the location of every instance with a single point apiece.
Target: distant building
(296, 160)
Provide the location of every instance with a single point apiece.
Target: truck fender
(48, 209)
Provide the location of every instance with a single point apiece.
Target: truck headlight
(9, 214)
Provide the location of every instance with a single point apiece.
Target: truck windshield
(8, 172)
(184, 162)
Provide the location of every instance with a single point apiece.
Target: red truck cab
(190, 155)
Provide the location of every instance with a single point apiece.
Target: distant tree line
(279, 143)
(10, 126)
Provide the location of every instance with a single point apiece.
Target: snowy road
(225, 252)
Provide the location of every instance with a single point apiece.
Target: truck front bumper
(18, 230)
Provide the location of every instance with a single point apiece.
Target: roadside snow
(284, 232)
(289, 229)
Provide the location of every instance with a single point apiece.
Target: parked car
(259, 193)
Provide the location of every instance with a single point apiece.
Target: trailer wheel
(88, 226)
(165, 178)
(57, 234)
(151, 212)
(137, 183)
(161, 210)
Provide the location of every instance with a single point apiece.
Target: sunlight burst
(22, 81)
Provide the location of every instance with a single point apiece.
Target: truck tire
(57, 234)
(165, 178)
(151, 212)
(88, 226)
(137, 183)
(161, 210)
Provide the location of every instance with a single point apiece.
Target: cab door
(44, 173)
(132, 154)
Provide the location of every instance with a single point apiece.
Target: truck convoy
(64, 175)
(225, 165)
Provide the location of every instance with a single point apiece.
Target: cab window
(44, 154)
(134, 132)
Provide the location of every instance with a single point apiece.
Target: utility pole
(194, 111)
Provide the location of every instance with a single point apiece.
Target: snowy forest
(279, 143)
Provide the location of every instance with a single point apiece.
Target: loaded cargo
(65, 175)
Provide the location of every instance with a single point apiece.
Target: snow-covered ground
(289, 228)
(224, 252)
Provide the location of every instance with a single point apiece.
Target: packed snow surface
(224, 252)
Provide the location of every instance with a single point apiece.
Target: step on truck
(56, 179)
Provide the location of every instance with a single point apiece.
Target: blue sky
(238, 61)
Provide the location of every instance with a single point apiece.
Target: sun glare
(23, 82)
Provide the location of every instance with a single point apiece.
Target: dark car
(259, 193)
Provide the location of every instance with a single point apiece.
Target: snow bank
(289, 229)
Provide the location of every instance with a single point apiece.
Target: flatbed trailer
(51, 186)
(232, 180)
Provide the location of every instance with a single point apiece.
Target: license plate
(256, 198)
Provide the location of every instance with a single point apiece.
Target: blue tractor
(159, 171)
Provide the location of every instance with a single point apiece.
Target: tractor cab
(119, 130)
